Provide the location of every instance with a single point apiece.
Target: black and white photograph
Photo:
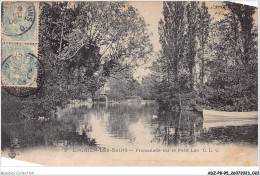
(129, 83)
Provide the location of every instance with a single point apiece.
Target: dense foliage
(81, 45)
(207, 62)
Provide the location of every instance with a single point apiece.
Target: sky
(152, 13)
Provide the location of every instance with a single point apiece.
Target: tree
(243, 14)
(223, 53)
(81, 44)
(87, 42)
(172, 37)
(123, 85)
(178, 36)
(203, 30)
(234, 71)
(191, 42)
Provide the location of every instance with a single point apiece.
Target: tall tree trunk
(202, 65)
(191, 79)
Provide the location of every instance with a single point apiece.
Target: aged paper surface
(129, 83)
(19, 44)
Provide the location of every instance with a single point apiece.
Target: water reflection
(173, 128)
(114, 124)
(125, 124)
(122, 125)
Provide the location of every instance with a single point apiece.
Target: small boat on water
(155, 116)
(213, 118)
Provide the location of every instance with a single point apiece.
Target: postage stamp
(20, 22)
(19, 44)
(19, 65)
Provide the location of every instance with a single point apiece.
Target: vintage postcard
(160, 83)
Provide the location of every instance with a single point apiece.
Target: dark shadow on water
(231, 134)
(74, 127)
(175, 128)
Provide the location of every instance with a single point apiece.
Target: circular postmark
(19, 69)
(18, 18)
(22, 78)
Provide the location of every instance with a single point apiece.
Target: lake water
(126, 130)
(122, 124)
(126, 124)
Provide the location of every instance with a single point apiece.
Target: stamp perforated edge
(3, 60)
(36, 5)
(36, 9)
